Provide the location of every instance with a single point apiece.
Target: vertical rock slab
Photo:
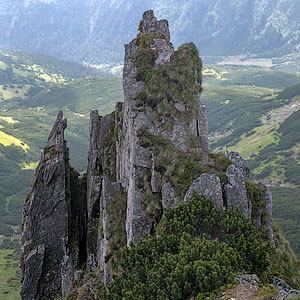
(239, 162)
(262, 208)
(111, 228)
(104, 192)
(235, 191)
(160, 109)
(267, 198)
(46, 220)
(99, 162)
(76, 254)
(93, 189)
(151, 25)
(254, 200)
(209, 186)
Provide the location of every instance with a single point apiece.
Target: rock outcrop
(150, 154)
(46, 219)
(249, 286)
(210, 186)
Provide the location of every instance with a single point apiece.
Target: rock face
(210, 187)
(136, 160)
(53, 222)
(151, 153)
(253, 200)
(46, 219)
(235, 191)
(285, 291)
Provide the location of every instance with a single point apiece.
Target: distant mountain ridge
(218, 27)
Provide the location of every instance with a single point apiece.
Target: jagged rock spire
(45, 220)
(150, 24)
(143, 158)
(169, 116)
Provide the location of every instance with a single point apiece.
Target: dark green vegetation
(281, 159)
(10, 275)
(256, 119)
(283, 261)
(289, 92)
(197, 250)
(286, 213)
(218, 75)
(25, 68)
(262, 123)
(33, 89)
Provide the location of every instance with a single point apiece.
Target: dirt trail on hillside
(279, 115)
(240, 292)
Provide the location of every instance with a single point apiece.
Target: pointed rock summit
(150, 154)
(45, 219)
(149, 24)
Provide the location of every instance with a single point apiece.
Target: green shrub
(187, 258)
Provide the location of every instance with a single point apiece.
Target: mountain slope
(24, 123)
(218, 27)
(137, 216)
(257, 119)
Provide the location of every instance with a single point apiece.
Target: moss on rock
(178, 81)
(116, 231)
(179, 167)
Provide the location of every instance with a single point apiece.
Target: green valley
(49, 85)
(249, 110)
(261, 121)
(258, 119)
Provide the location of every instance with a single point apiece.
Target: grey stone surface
(100, 157)
(267, 198)
(93, 186)
(202, 128)
(108, 192)
(235, 191)
(263, 219)
(135, 162)
(154, 178)
(248, 280)
(210, 187)
(164, 51)
(33, 271)
(169, 198)
(180, 106)
(45, 220)
(292, 294)
(282, 285)
(151, 25)
(239, 162)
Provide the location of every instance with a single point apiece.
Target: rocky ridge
(151, 153)
(249, 287)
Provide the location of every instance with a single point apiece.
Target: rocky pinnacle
(45, 220)
(150, 154)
